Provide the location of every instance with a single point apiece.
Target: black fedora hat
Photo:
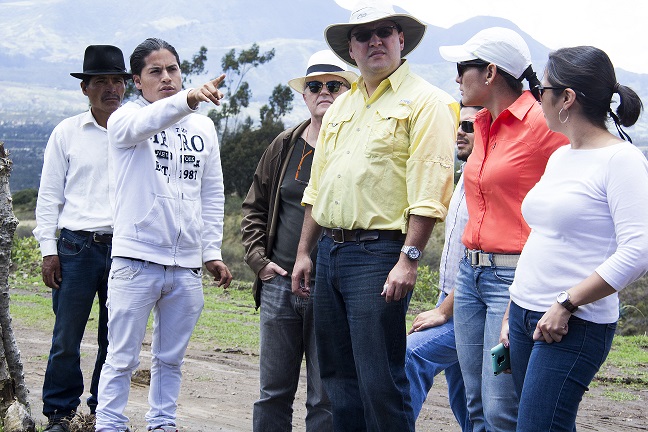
(102, 60)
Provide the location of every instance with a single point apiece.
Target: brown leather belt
(96, 237)
(340, 235)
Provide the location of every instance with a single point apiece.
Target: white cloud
(617, 27)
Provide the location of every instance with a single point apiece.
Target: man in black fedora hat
(73, 199)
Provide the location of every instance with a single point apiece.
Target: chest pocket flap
(389, 134)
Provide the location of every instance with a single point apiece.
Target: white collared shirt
(74, 186)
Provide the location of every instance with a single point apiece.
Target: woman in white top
(589, 239)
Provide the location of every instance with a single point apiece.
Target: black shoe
(56, 426)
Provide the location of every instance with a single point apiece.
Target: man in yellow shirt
(382, 176)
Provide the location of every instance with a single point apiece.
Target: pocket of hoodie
(192, 225)
(154, 227)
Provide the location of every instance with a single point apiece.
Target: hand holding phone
(501, 359)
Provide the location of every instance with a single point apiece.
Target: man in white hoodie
(169, 207)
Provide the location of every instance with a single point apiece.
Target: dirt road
(219, 389)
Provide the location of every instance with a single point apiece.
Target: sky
(618, 27)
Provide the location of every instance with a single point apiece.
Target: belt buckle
(473, 256)
(94, 238)
(338, 235)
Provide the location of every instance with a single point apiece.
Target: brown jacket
(260, 207)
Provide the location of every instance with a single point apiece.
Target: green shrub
(26, 256)
(633, 308)
(426, 289)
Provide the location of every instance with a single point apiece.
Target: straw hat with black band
(338, 35)
(323, 63)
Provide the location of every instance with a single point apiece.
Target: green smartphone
(501, 359)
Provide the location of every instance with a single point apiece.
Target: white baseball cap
(498, 45)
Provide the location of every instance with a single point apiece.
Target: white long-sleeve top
(169, 197)
(74, 182)
(588, 213)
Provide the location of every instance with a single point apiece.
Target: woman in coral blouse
(512, 146)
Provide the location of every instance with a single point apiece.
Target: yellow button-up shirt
(381, 158)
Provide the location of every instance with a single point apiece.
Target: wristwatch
(412, 252)
(565, 301)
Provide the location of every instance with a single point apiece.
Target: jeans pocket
(505, 274)
(381, 248)
(69, 245)
(196, 272)
(126, 269)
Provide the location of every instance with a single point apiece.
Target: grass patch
(620, 396)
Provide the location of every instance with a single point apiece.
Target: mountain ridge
(42, 42)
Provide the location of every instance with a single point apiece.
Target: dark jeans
(550, 379)
(360, 338)
(287, 335)
(85, 265)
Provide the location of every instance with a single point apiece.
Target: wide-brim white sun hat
(337, 35)
(323, 63)
(498, 45)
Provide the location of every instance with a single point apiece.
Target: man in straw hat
(272, 220)
(72, 198)
(382, 175)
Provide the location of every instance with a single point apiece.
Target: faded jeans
(429, 352)
(287, 333)
(481, 298)
(175, 296)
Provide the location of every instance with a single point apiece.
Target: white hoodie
(169, 197)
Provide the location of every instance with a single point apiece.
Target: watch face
(413, 253)
(562, 297)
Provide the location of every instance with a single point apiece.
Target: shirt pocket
(333, 130)
(389, 135)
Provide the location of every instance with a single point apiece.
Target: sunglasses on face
(467, 126)
(462, 66)
(539, 90)
(331, 86)
(382, 32)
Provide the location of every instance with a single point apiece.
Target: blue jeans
(428, 353)
(481, 298)
(85, 265)
(558, 373)
(287, 333)
(361, 338)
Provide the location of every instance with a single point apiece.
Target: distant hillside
(42, 42)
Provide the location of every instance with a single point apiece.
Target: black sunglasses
(382, 32)
(462, 66)
(467, 126)
(538, 90)
(331, 86)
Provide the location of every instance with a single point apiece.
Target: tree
(240, 154)
(195, 68)
(242, 145)
(237, 91)
(13, 391)
(280, 103)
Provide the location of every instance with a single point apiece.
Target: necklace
(304, 155)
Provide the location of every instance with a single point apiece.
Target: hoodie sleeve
(212, 198)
